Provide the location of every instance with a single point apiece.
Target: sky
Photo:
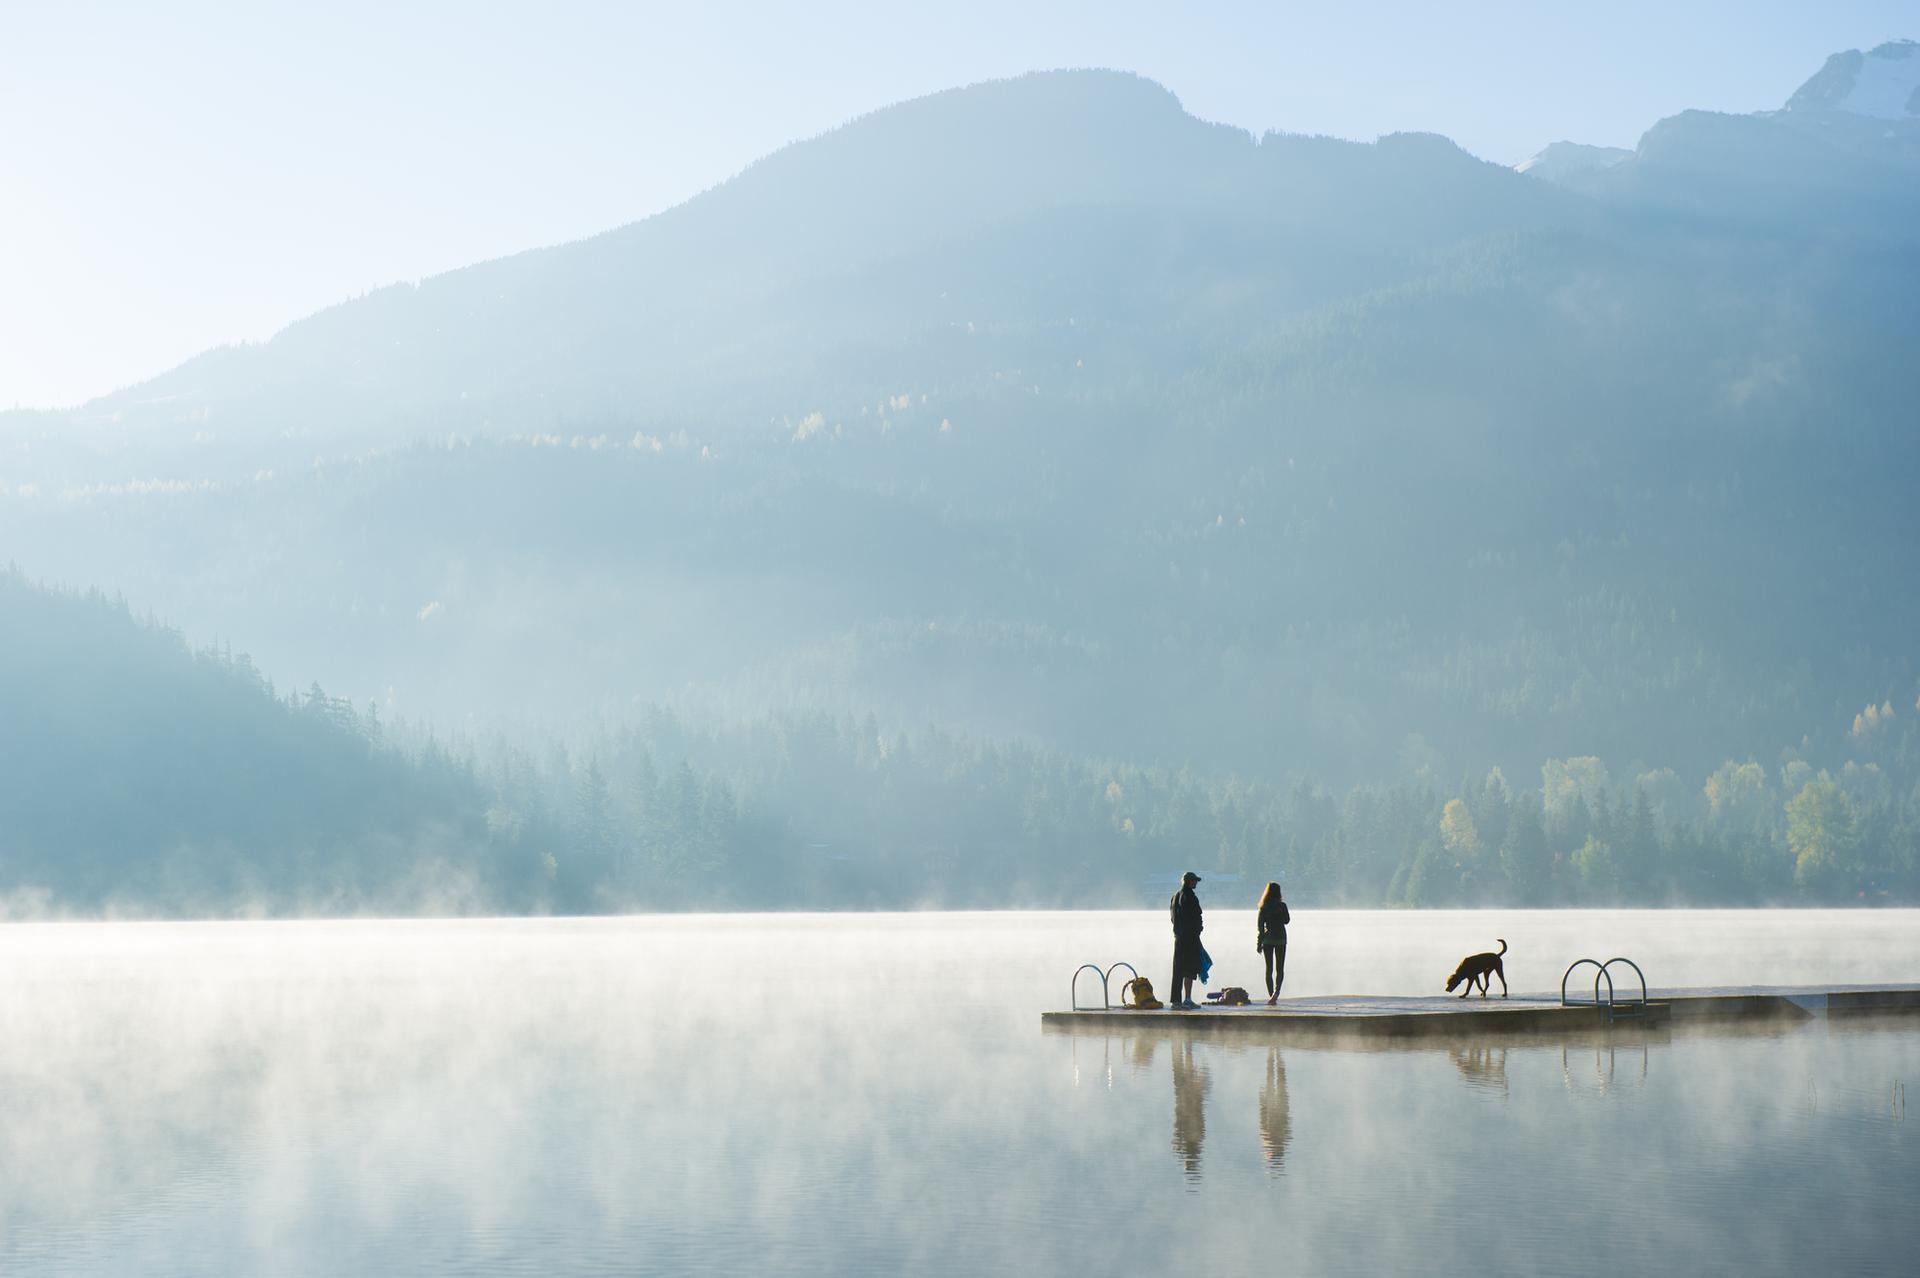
(180, 176)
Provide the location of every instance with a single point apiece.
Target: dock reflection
(1253, 1076)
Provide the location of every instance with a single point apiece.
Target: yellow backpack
(1140, 990)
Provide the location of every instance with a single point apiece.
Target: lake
(827, 1094)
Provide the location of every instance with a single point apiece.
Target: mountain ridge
(1825, 136)
(1882, 82)
(1130, 142)
(1355, 437)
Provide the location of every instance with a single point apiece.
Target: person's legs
(1273, 986)
(1279, 967)
(1186, 960)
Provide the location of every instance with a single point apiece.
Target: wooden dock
(1445, 1016)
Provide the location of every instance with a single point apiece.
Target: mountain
(1842, 155)
(1562, 160)
(1077, 193)
(1882, 83)
(1041, 411)
(138, 774)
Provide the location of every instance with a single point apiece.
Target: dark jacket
(1273, 925)
(1184, 909)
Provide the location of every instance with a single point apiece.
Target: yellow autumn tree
(1563, 782)
(1736, 790)
(1458, 833)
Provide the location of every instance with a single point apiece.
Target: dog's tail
(1503, 945)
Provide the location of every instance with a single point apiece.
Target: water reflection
(1191, 1067)
(1484, 1068)
(1192, 1080)
(1600, 1069)
(1276, 1116)
(523, 1097)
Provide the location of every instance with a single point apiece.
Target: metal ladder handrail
(1600, 971)
(1073, 995)
(1106, 985)
(1615, 1006)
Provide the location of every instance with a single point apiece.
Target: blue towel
(1206, 965)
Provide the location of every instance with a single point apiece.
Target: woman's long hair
(1269, 896)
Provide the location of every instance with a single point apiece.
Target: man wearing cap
(1185, 909)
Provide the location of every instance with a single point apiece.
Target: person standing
(1271, 939)
(1185, 911)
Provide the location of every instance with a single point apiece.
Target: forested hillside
(803, 810)
(140, 775)
(1071, 443)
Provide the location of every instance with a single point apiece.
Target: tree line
(140, 774)
(815, 810)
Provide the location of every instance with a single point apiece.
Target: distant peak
(1882, 83)
(1561, 160)
(1067, 88)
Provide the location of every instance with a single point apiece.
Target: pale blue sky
(178, 175)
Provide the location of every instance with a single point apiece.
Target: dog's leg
(1501, 972)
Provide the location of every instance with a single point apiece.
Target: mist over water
(873, 1093)
(1003, 500)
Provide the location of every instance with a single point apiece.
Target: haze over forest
(1015, 496)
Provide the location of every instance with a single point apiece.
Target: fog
(664, 1094)
(594, 759)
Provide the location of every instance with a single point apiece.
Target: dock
(1446, 1016)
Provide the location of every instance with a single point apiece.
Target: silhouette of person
(1276, 1120)
(1270, 939)
(1184, 908)
(1191, 1082)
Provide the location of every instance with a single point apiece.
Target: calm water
(834, 1094)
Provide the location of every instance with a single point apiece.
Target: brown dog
(1475, 967)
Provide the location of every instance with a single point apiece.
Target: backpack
(1141, 990)
(1234, 996)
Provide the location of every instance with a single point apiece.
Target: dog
(1476, 967)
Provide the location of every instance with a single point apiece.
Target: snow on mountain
(1562, 160)
(1883, 83)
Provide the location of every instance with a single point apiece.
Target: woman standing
(1272, 939)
